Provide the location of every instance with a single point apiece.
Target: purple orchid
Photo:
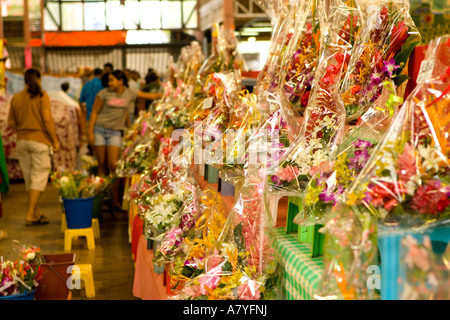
(359, 160)
(362, 144)
(390, 66)
(375, 78)
(275, 180)
(328, 197)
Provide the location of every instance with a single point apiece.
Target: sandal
(38, 222)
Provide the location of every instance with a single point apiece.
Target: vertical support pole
(228, 15)
(43, 53)
(27, 36)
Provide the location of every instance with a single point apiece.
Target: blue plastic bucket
(23, 296)
(79, 212)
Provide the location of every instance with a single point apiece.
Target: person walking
(89, 92)
(109, 118)
(30, 115)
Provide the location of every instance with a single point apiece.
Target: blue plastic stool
(392, 269)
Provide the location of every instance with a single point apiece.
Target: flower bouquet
(242, 264)
(91, 186)
(290, 23)
(407, 177)
(335, 176)
(427, 273)
(190, 261)
(404, 186)
(324, 117)
(296, 80)
(65, 184)
(172, 242)
(30, 254)
(350, 248)
(279, 26)
(75, 185)
(18, 278)
(224, 57)
(163, 210)
(381, 52)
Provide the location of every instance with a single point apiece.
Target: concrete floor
(112, 264)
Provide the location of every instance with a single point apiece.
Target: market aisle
(111, 260)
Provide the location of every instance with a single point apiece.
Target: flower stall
(329, 125)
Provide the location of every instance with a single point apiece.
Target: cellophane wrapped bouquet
(408, 175)
(290, 18)
(173, 241)
(380, 54)
(324, 117)
(139, 147)
(296, 80)
(163, 211)
(29, 253)
(226, 126)
(404, 186)
(191, 261)
(427, 273)
(329, 184)
(155, 179)
(243, 264)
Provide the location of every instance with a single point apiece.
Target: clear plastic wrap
(324, 118)
(406, 179)
(290, 24)
(190, 260)
(328, 185)
(163, 212)
(139, 147)
(301, 61)
(243, 264)
(172, 242)
(350, 247)
(427, 273)
(381, 52)
(403, 189)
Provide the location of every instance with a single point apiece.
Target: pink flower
(249, 291)
(406, 163)
(210, 279)
(416, 256)
(287, 174)
(215, 259)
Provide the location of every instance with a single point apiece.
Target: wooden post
(27, 36)
(198, 32)
(43, 53)
(228, 14)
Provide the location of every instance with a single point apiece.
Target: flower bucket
(56, 271)
(24, 296)
(79, 212)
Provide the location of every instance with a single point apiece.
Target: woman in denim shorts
(109, 118)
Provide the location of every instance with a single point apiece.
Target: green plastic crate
(294, 207)
(312, 235)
